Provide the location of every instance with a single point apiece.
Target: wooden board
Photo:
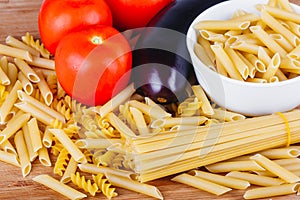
(16, 18)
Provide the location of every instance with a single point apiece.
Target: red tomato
(129, 14)
(58, 17)
(92, 65)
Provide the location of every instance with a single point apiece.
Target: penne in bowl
(258, 78)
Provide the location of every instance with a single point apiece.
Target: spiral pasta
(60, 91)
(105, 186)
(88, 154)
(52, 83)
(61, 107)
(84, 184)
(118, 161)
(56, 147)
(71, 129)
(61, 162)
(57, 124)
(88, 123)
(94, 134)
(36, 44)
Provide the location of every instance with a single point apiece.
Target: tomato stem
(97, 40)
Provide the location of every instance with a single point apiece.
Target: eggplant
(162, 68)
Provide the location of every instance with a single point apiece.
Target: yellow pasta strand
(61, 162)
(84, 184)
(29, 40)
(104, 186)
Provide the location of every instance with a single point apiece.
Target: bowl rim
(190, 46)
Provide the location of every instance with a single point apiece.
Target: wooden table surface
(16, 18)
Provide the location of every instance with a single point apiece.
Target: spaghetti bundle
(172, 152)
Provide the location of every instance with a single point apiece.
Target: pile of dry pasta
(131, 140)
(248, 47)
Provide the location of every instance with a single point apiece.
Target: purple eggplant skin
(162, 68)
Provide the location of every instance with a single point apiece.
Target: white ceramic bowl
(243, 97)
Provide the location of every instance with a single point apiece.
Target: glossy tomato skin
(92, 65)
(130, 14)
(59, 17)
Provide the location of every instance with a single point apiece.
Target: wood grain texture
(16, 18)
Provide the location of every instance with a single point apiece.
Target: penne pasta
(212, 36)
(226, 181)
(9, 158)
(26, 84)
(222, 25)
(94, 169)
(44, 89)
(44, 157)
(59, 186)
(277, 27)
(201, 96)
(251, 67)
(15, 52)
(8, 147)
(30, 100)
(13, 126)
(202, 54)
(22, 153)
(276, 169)
(139, 121)
(91, 143)
(69, 145)
(238, 62)
(10, 40)
(256, 80)
(282, 41)
(27, 70)
(287, 15)
(120, 125)
(12, 73)
(206, 45)
(281, 153)
(267, 40)
(289, 64)
(32, 154)
(220, 68)
(272, 191)
(173, 121)
(39, 114)
(4, 64)
(34, 134)
(245, 47)
(229, 166)
(4, 80)
(115, 101)
(9, 102)
(201, 184)
(71, 169)
(225, 115)
(272, 67)
(152, 111)
(258, 64)
(294, 54)
(136, 186)
(42, 63)
(295, 27)
(256, 179)
(285, 5)
(47, 139)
